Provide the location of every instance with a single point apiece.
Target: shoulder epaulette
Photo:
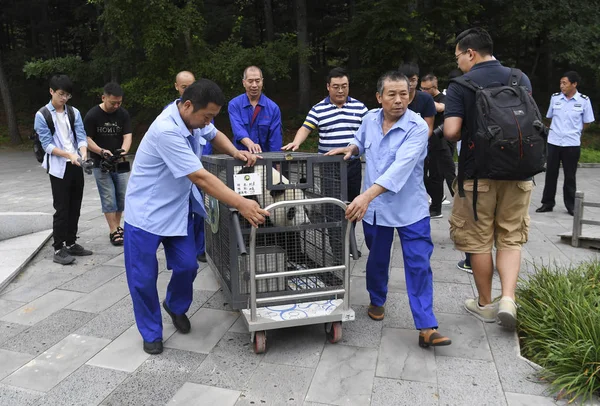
(583, 96)
(556, 94)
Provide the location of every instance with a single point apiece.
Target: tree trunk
(303, 68)
(13, 129)
(269, 26)
(354, 57)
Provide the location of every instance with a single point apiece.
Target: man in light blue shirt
(255, 119)
(394, 141)
(571, 112)
(61, 133)
(159, 202)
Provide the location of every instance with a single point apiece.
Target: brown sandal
(433, 339)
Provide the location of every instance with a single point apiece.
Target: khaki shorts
(502, 211)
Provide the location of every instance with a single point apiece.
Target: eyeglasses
(463, 52)
(63, 95)
(426, 89)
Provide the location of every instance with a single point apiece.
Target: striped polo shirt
(336, 125)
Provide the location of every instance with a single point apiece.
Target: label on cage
(247, 184)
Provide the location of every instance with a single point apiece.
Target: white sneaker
(507, 313)
(487, 313)
(445, 201)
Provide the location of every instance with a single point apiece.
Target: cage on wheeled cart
(294, 269)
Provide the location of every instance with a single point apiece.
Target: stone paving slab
(52, 366)
(157, 380)
(10, 361)
(86, 386)
(43, 335)
(42, 307)
(344, 376)
(193, 394)
(16, 252)
(399, 358)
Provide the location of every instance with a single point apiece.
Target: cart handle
(237, 230)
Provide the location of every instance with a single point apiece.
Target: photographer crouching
(108, 128)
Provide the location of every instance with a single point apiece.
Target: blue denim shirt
(395, 162)
(159, 191)
(266, 129)
(49, 141)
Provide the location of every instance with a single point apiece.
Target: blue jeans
(111, 187)
(417, 248)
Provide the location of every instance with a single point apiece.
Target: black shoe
(153, 348)
(180, 321)
(78, 250)
(544, 209)
(571, 212)
(201, 257)
(62, 257)
(435, 214)
(358, 255)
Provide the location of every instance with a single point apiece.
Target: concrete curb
(16, 224)
(17, 252)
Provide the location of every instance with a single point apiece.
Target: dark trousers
(439, 166)
(199, 234)
(354, 178)
(568, 156)
(67, 194)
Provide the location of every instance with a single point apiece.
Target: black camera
(439, 131)
(115, 162)
(86, 165)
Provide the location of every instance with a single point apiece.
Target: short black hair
(61, 82)
(113, 89)
(409, 69)
(429, 77)
(337, 73)
(477, 39)
(202, 92)
(392, 76)
(572, 76)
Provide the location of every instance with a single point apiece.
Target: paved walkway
(67, 334)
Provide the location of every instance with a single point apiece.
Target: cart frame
(341, 313)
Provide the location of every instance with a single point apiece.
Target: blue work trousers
(417, 248)
(199, 234)
(141, 267)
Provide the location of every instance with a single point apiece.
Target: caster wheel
(260, 342)
(334, 334)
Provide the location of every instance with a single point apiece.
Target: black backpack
(38, 150)
(509, 141)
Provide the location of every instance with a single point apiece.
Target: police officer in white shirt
(571, 113)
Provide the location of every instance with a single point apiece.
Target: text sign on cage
(248, 184)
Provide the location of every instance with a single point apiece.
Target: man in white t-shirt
(65, 144)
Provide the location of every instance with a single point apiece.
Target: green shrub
(559, 327)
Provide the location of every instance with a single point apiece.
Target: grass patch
(589, 155)
(559, 327)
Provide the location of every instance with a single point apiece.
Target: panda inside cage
(298, 237)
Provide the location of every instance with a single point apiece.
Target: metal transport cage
(293, 270)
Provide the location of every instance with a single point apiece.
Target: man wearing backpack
(491, 204)
(571, 112)
(60, 131)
